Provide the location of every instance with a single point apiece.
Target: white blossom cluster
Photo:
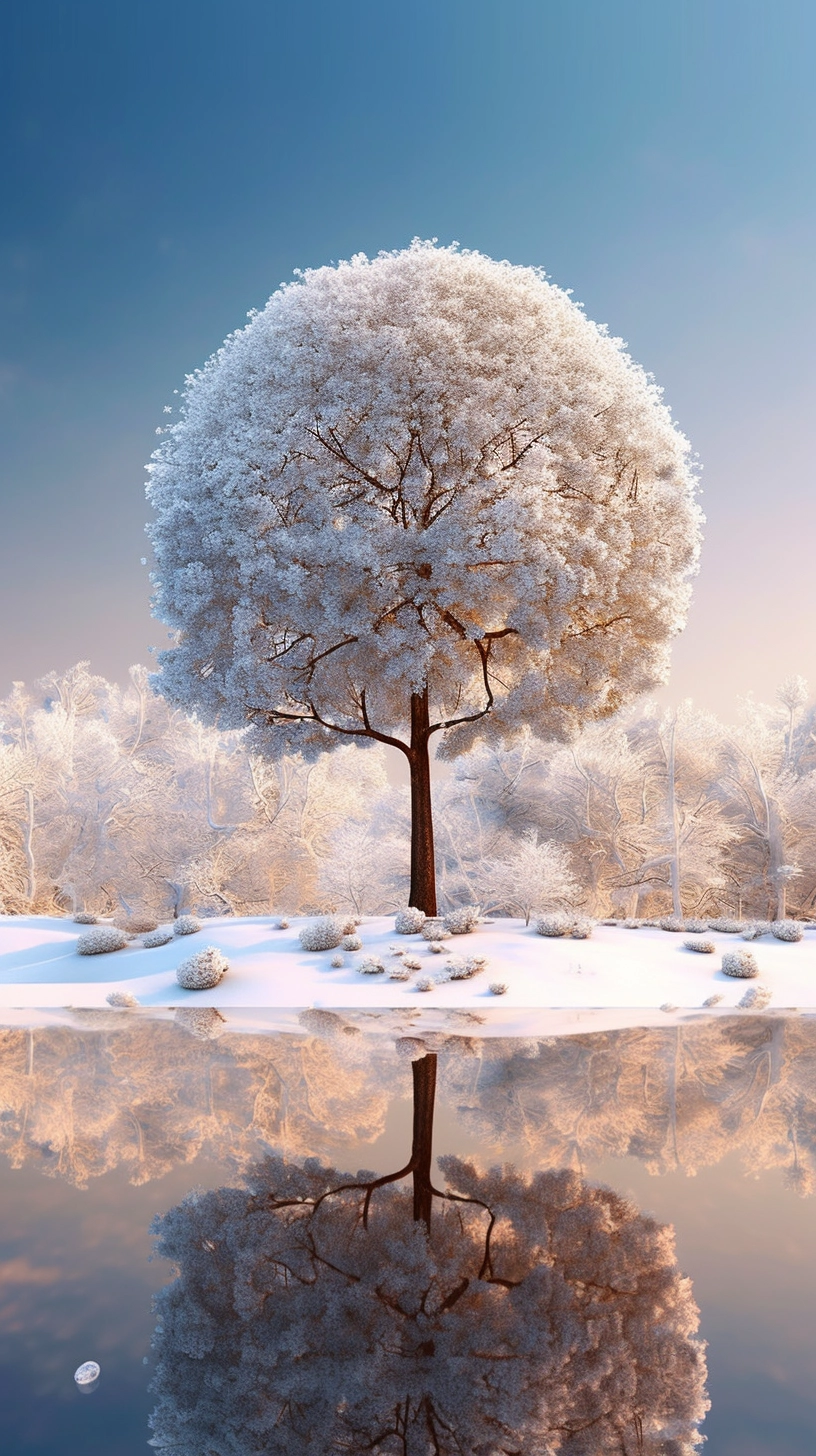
(425, 469)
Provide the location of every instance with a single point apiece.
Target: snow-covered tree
(529, 876)
(317, 1312)
(419, 495)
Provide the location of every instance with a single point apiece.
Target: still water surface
(708, 1127)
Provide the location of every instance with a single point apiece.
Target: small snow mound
(202, 971)
(756, 998)
(756, 929)
(325, 933)
(671, 922)
(462, 920)
(632, 923)
(739, 963)
(705, 947)
(351, 942)
(84, 917)
(553, 925)
(121, 998)
(186, 925)
(424, 983)
(787, 930)
(371, 966)
(409, 921)
(695, 927)
(156, 938)
(434, 929)
(713, 1000)
(497, 988)
(724, 926)
(100, 940)
(582, 927)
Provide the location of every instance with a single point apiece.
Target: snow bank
(617, 977)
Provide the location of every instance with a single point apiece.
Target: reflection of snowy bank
(616, 970)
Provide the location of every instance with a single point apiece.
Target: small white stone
(87, 1373)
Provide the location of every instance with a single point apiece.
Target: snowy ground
(617, 977)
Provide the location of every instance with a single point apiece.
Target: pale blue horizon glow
(165, 168)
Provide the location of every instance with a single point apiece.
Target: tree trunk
(423, 867)
(424, 1071)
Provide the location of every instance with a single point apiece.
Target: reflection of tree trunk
(423, 870)
(424, 1072)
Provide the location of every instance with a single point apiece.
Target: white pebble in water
(87, 1373)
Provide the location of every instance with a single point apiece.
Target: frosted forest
(113, 801)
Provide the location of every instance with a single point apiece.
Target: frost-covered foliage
(582, 927)
(462, 920)
(553, 925)
(324, 933)
(434, 929)
(422, 479)
(704, 947)
(756, 929)
(205, 1023)
(337, 961)
(122, 998)
(401, 972)
(632, 923)
(724, 926)
(787, 930)
(186, 925)
(527, 876)
(155, 938)
(756, 998)
(672, 922)
(137, 924)
(409, 921)
(100, 939)
(203, 970)
(296, 1326)
(365, 868)
(351, 942)
(370, 966)
(426, 983)
(714, 1000)
(85, 917)
(498, 988)
(740, 963)
(463, 968)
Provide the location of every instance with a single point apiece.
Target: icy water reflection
(291, 1327)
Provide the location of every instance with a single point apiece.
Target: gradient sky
(166, 166)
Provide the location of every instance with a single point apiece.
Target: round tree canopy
(423, 474)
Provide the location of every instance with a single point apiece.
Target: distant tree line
(114, 801)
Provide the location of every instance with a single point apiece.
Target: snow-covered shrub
(756, 929)
(756, 998)
(437, 947)
(787, 930)
(705, 947)
(413, 963)
(202, 971)
(713, 1000)
(724, 926)
(399, 972)
(337, 961)
(282, 924)
(632, 923)
(553, 925)
(157, 938)
(84, 917)
(695, 927)
(121, 998)
(582, 927)
(462, 919)
(351, 942)
(409, 921)
(204, 1022)
(434, 929)
(462, 968)
(349, 923)
(610, 920)
(186, 925)
(100, 940)
(497, 988)
(138, 925)
(371, 966)
(325, 933)
(739, 963)
(668, 1006)
(424, 983)
(671, 922)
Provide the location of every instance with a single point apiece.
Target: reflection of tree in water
(316, 1312)
(673, 1097)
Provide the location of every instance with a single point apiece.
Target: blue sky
(164, 167)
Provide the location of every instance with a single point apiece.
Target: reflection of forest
(147, 1096)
